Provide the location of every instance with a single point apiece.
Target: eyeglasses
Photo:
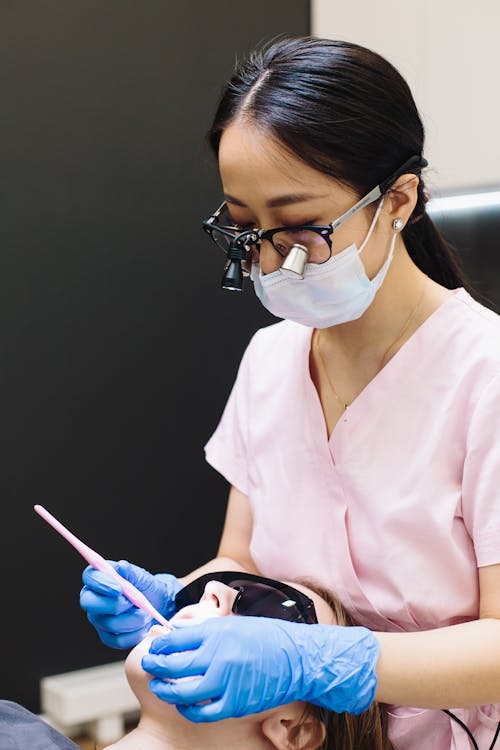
(256, 597)
(222, 231)
(316, 238)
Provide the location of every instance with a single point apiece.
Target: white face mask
(330, 293)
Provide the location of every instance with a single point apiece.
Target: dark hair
(345, 111)
(367, 731)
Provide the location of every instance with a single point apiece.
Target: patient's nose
(219, 596)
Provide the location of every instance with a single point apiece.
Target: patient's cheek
(137, 677)
(139, 680)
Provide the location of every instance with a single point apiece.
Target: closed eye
(287, 225)
(310, 223)
(241, 227)
(298, 224)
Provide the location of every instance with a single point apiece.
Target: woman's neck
(180, 734)
(405, 288)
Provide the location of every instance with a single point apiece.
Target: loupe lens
(317, 246)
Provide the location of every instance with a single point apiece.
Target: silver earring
(397, 224)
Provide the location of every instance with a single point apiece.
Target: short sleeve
(227, 449)
(481, 477)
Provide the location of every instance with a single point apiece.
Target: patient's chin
(186, 617)
(139, 680)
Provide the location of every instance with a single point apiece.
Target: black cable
(469, 733)
(465, 728)
(495, 737)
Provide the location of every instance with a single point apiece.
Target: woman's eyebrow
(282, 200)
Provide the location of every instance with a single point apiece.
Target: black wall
(117, 346)
(475, 232)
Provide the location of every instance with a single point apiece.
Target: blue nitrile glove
(118, 622)
(251, 664)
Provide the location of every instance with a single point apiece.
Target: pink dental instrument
(97, 561)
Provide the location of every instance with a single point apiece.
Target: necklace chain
(382, 361)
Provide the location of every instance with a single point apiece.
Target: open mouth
(195, 613)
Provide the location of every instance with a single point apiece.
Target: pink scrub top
(397, 510)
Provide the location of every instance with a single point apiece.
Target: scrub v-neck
(394, 362)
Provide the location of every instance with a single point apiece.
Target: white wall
(449, 53)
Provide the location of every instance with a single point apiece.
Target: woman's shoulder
(478, 311)
(280, 339)
(466, 341)
(22, 728)
(480, 324)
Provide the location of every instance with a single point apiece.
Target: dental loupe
(295, 260)
(233, 278)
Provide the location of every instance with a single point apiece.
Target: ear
(291, 728)
(401, 199)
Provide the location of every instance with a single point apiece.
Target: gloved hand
(118, 622)
(251, 664)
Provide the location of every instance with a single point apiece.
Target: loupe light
(233, 274)
(296, 260)
(233, 277)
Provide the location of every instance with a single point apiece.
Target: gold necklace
(407, 322)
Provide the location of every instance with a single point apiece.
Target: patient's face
(217, 601)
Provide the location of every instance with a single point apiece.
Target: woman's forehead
(253, 164)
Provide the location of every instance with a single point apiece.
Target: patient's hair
(368, 731)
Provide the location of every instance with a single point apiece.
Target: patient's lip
(157, 630)
(195, 613)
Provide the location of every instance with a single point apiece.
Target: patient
(296, 726)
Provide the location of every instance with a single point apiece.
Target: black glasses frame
(246, 239)
(192, 592)
(250, 237)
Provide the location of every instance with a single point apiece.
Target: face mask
(330, 293)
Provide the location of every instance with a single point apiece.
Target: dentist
(361, 438)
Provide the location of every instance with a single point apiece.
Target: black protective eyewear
(257, 597)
